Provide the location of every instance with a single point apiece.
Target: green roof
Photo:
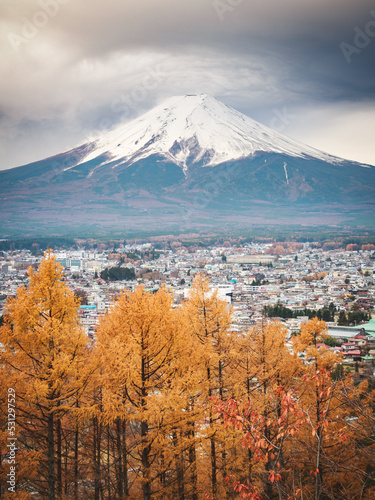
(368, 327)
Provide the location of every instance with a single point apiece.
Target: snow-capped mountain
(191, 162)
(195, 129)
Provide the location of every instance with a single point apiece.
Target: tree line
(37, 244)
(280, 311)
(169, 403)
(118, 273)
(353, 318)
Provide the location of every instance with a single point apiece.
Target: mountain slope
(196, 129)
(192, 160)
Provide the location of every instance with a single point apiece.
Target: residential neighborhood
(258, 280)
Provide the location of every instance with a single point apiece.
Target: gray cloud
(72, 69)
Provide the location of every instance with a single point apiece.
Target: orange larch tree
(266, 371)
(137, 343)
(44, 354)
(327, 461)
(208, 320)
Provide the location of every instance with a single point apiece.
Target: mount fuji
(195, 129)
(190, 162)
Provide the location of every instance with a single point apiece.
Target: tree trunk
(250, 469)
(319, 435)
(59, 458)
(213, 446)
(193, 464)
(120, 489)
(51, 457)
(145, 458)
(163, 475)
(97, 457)
(125, 459)
(76, 438)
(146, 447)
(318, 465)
(213, 467)
(66, 468)
(108, 465)
(179, 469)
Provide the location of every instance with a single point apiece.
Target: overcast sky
(72, 69)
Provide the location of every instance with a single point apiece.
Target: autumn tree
(208, 319)
(267, 371)
(44, 355)
(361, 403)
(138, 345)
(352, 247)
(267, 437)
(326, 450)
(308, 432)
(317, 363)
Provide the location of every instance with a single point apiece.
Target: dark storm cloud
(74, 68)
(303, 34)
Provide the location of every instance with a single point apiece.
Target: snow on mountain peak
(195, 129)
